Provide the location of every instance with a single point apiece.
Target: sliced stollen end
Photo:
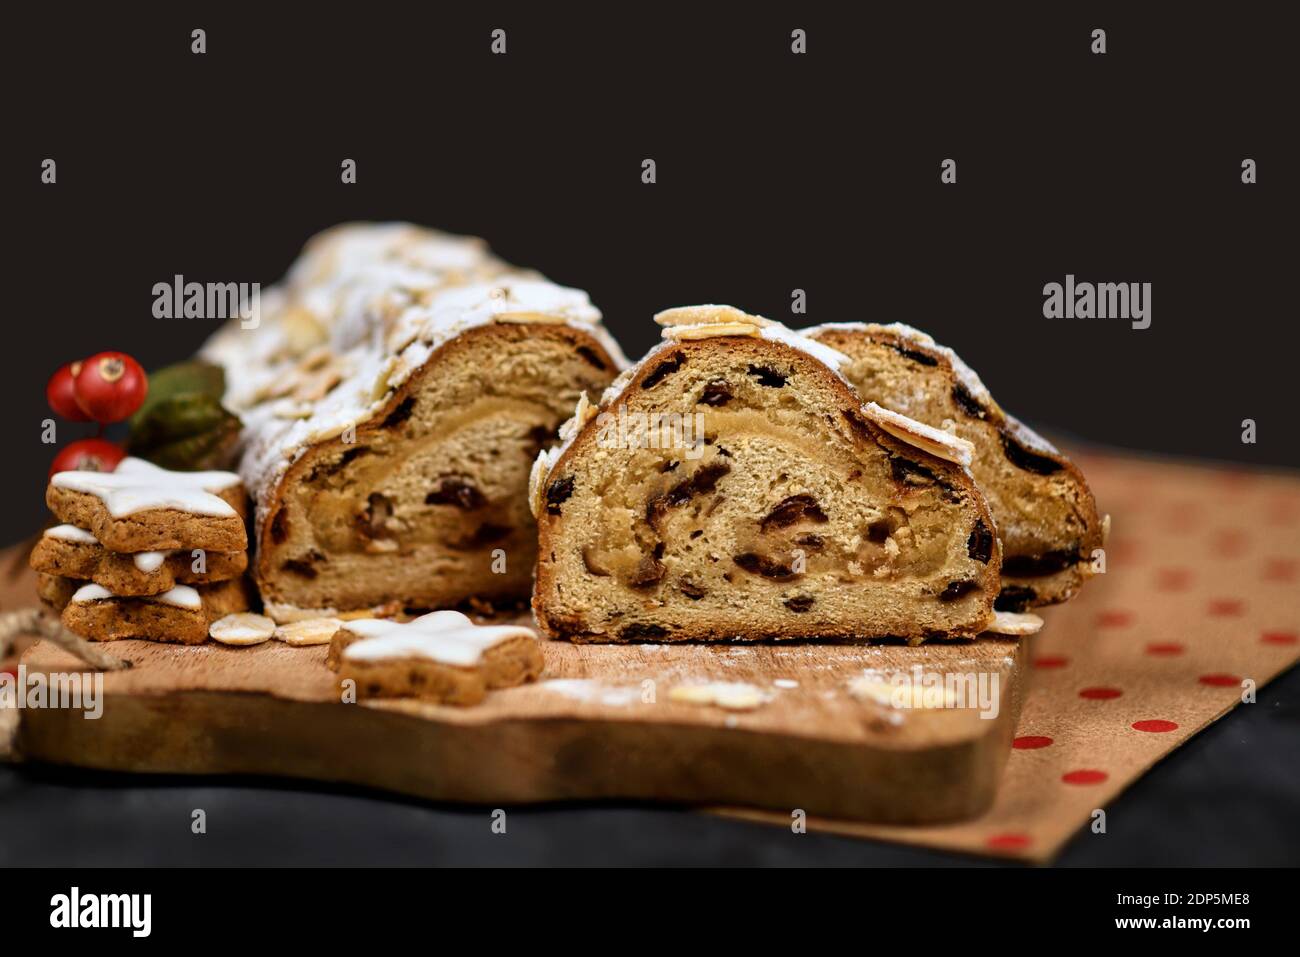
(388, 451)
(181, 615)
(734, 487)
(427, 503)
(442, 656)
(1047, 519)
(140, 507)
(73, 552)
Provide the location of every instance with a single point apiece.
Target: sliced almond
(709, 315)
(582, 414)
(924, 437)
(711, 331)
(733, 696)
(310, 631)
(244, 628)
(904, 694)
(1014, 623)
(527, 318)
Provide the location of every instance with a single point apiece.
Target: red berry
(60, 392)
(88, 455)
(110, 386)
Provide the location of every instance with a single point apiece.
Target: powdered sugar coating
(682, 317)
(967, 376)
(362, 310)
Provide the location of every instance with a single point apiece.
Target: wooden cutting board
(600, 724)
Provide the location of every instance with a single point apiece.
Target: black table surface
(1227, 798)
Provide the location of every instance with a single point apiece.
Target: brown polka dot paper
(1196, 607)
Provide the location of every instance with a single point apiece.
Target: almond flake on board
(730, 695)
(242, 629)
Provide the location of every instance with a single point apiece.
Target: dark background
(775, 172)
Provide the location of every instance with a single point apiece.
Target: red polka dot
(1235, 481)
(1173, 579)
(1231, 543)
(1123, 550)
(1051, 661)
(1031, 742)
(1155, 725)
(1220, 681)
(1084, 776)
(1008, 841)
(1226, 607)
(1280, 570)
(1279, 638)
(1100, 694)
(1165, 648)
(1114, 619)
(1283, 512)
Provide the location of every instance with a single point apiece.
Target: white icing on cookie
(149, 562)
(71, 533)
(447, 637)
(182, 596)
(138, 486)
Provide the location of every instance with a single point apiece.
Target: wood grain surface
(600, 724)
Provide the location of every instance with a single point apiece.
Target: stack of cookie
(144, 552)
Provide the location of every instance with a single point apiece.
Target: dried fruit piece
(649, 572)
(795, 508)
(716, 393)
(767, 376)
(663, 370)
(958, 590)
(458, 492)
(557, 493)
(980, 544)
(1022, 457)
(767, 567)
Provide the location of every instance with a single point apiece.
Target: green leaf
(181, 415)
(209, 449)
(191, 376)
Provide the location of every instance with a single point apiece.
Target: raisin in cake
(1046, 516)
(733, 485)
(394, 393)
